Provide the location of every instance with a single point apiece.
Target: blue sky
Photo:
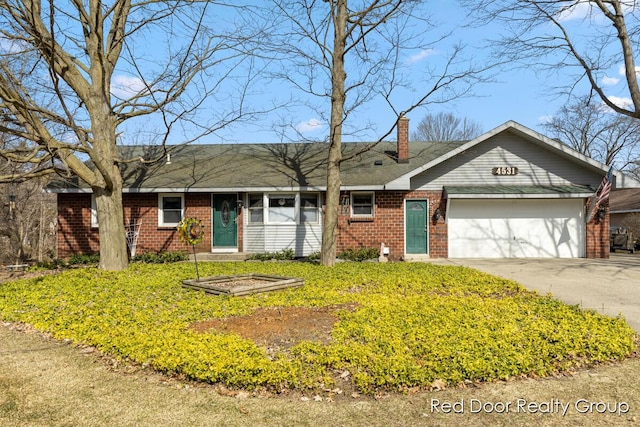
(518, 93)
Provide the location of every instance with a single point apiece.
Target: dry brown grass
(44, 382)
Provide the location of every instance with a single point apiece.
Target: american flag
(602, 195)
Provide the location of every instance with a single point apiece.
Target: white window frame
(94, 212)
(266, 219)
(161, 196)
(373, 203)
(296, 207)
(317, 208)
(249, 209)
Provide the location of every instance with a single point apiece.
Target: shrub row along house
(508, 193)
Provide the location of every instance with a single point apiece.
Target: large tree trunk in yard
(330, 226)
(107, 188)
(338, 97)
(113, 243)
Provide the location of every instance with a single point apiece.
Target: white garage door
(491, 228)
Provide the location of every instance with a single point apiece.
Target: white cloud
(12, 46)
(622, 102)
(584, 9)
(310, 125)
(125, 87)
(425, 53)
(580, 10)
(610, 81)
(545, 119)
(622, 70)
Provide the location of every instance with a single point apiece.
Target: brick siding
(598, 244)
(387, 225)
(75, 234)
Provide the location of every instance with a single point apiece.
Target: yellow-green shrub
(414, 323)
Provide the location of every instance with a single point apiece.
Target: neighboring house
(508, 193)
(624, 204)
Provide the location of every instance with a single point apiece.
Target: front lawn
(406, 325)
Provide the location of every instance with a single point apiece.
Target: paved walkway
(609, 286)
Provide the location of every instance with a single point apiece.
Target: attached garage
(501, 224)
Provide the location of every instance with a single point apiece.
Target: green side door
(417, 224)
(225, 227)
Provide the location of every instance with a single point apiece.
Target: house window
(362, 204)
(309, 212)
(170, 209)
(94, 211)
(256, 208)
(282, 209)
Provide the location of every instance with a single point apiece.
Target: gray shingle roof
(524, 190)
(625, 200)
(261, 166)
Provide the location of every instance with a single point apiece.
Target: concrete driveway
(609, 286)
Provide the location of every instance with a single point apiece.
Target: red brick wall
(598, 244)
(75, 234)
(387, 225)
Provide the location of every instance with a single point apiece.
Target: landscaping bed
(377, 326)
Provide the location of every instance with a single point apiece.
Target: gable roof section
(525, 133)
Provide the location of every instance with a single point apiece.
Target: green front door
(417, 214)
(225, 227)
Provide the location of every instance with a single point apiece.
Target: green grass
(415, 323)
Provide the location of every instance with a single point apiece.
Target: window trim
(161, 196)
(94, 212)
(296, 208)
(373, 204)
(297, 196)
(318, 207)
(249, 209)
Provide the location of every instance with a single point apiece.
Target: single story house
(511, 192)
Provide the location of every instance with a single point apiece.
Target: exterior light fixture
(437, 215)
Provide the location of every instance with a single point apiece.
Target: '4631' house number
(505, 170)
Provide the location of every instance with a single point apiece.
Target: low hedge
(414, 323)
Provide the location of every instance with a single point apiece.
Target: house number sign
(505, 171)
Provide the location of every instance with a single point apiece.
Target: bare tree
(446, 127)
(60, 67)
(592, 129)
(590, 39)
(347, 54)
(27, 219)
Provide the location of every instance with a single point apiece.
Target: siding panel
(304, 239)
(536, 166)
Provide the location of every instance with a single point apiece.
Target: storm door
(417, 225)
(225, 226)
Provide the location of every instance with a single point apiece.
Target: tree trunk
(330, 226)
(41, 230)
(113, 243)
(107, 189)
(338, 77)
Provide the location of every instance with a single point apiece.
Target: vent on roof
(378, 163)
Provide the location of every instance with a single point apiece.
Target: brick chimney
(403, 139)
